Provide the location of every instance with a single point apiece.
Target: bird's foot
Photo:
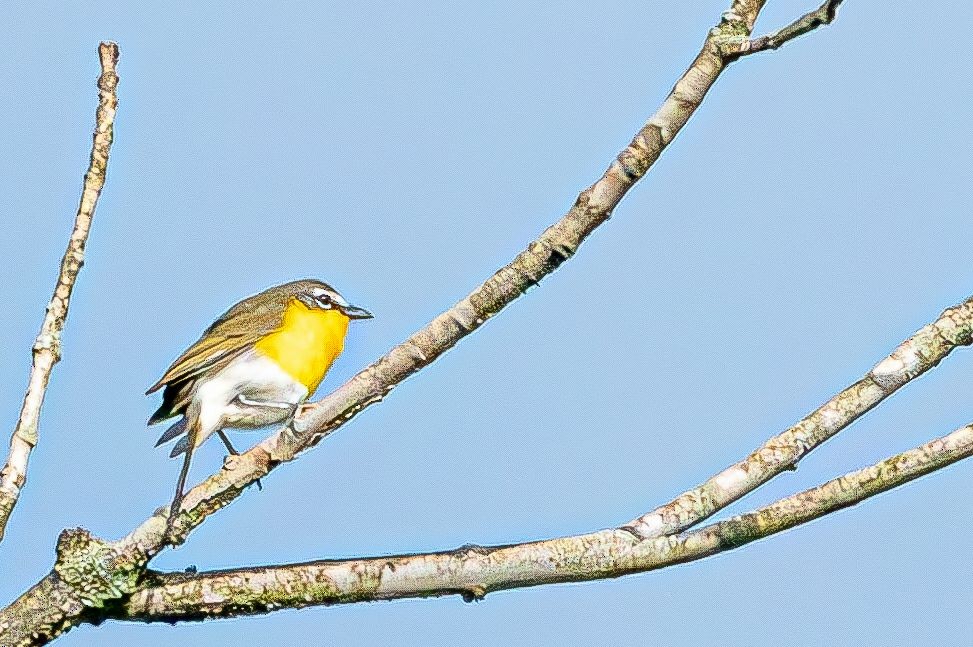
(232, 461)
(304, 408)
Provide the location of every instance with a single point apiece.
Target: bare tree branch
(47, 346)
(913, 357)
(473, 571)
(742, 46)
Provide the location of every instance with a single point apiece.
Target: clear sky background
(813, 213)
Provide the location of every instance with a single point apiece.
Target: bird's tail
(174, 431)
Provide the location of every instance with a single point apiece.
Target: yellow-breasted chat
(253, 367)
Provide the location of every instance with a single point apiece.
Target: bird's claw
(304, 408)
(232, 461)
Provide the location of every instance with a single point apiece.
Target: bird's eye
(324, 301)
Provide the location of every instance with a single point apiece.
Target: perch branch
(47, 346)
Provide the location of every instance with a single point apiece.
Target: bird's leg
(234, 452)
(300, 409)
(293, 409)
(177, 499)
(192, 433)
(264, 403)
(226, 441)
(296, 409)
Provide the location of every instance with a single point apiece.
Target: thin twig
(823, 15)
(47, 346)
(474, 571)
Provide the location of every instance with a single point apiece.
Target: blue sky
(813, 213)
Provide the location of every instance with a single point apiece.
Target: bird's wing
(238, 329)
(202, 355)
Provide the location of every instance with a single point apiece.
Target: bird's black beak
(354, 312)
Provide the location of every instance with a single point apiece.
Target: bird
(253, 367)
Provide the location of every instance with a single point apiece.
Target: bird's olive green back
(238, 329)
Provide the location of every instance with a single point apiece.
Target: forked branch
(823, 15)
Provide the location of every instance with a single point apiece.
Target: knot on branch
(48, 341)
(732, 25)
(731, 36)
(956, 323)
(108, 82)
(94, 570)
(474, 593)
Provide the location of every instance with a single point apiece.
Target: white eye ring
(325, 298)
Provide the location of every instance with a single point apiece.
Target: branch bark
(473, 571)
(47, 346)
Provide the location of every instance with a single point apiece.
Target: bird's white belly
(250, 392)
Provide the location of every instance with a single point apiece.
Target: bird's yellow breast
(307, 342)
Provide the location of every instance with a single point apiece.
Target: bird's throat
(307, 342)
